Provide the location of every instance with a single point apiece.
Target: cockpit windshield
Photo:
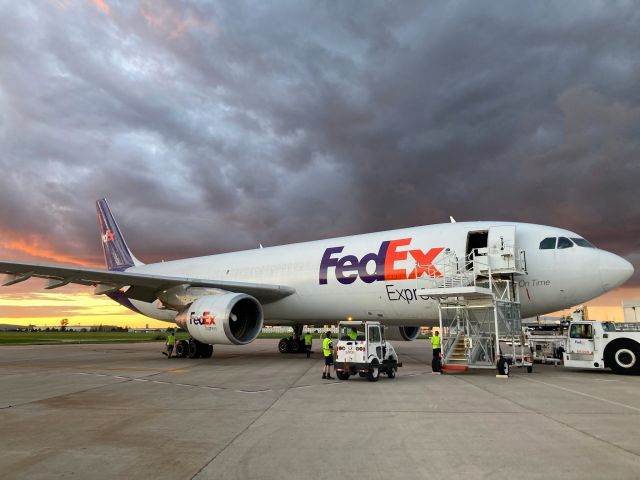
(548, 243)
(581, 242)
(564, 242)
(551, 243)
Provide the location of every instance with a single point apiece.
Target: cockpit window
(581, 242)
(564, 242)
(548, 243)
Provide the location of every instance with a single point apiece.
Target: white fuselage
(356, 281)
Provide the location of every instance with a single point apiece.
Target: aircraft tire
(206, 350)
(182, 348)
(374, 372)
(623, 357)
(194, 350)
(342, 375)
(283, 345)
(294, 345)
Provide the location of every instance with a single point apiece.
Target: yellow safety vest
(435, 341)
(327, 347)
(307, 339)
(353, 335)
(171, 340)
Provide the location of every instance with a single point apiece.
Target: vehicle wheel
(194, 351)
(206, 350)
(182, 348)
(294, 345)
(623, 357)
(529, 368)
(342, 375)
(374, 372)
(503, 366)
(283, 345)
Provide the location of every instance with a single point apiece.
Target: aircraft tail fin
(117, 255)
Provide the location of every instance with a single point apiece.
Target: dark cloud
(213, 126)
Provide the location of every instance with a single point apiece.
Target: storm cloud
(215, 126)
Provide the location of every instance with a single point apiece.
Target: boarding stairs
(456, 358)
(478, 307)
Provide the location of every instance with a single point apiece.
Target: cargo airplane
(228, 298)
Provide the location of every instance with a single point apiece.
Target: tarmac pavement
(249, 412)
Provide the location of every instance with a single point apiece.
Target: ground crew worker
(436, 346)
(171, 342)
(353, 334)
(307, 343)
(327, 350)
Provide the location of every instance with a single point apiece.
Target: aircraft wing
(144, 286)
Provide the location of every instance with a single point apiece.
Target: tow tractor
(362, 349)
(595, 345)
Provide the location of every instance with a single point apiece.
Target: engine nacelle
(408, 334)
(228, 318)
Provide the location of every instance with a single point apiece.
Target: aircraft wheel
(623, 357)
(374, 372)
(283, 345)
(194, 351)
(182, 348)
(342, 375)
(206, 350)
(294, 345)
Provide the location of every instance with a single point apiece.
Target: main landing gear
(192, 348)
(294, 343)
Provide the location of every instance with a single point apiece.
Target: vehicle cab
(362, 349)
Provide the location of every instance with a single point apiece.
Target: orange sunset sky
(214, 127)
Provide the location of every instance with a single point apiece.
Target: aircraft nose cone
(614, 270)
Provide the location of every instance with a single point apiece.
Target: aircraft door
(502, 247)
(581, 341)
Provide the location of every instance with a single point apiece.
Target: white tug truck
(362, 349)
(592, 344)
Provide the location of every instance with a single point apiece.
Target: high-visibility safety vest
(435, 341)
(307, 339)
(353, 335)
(171, 340)
(327, 347)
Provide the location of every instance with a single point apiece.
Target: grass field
(48, 338)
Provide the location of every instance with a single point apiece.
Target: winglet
(116, 253)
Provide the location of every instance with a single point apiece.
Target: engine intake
(402, 333)
(229, 318)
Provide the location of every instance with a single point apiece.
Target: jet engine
(402, 333)
(228, 318)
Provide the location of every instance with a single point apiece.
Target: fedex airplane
(227, 298)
